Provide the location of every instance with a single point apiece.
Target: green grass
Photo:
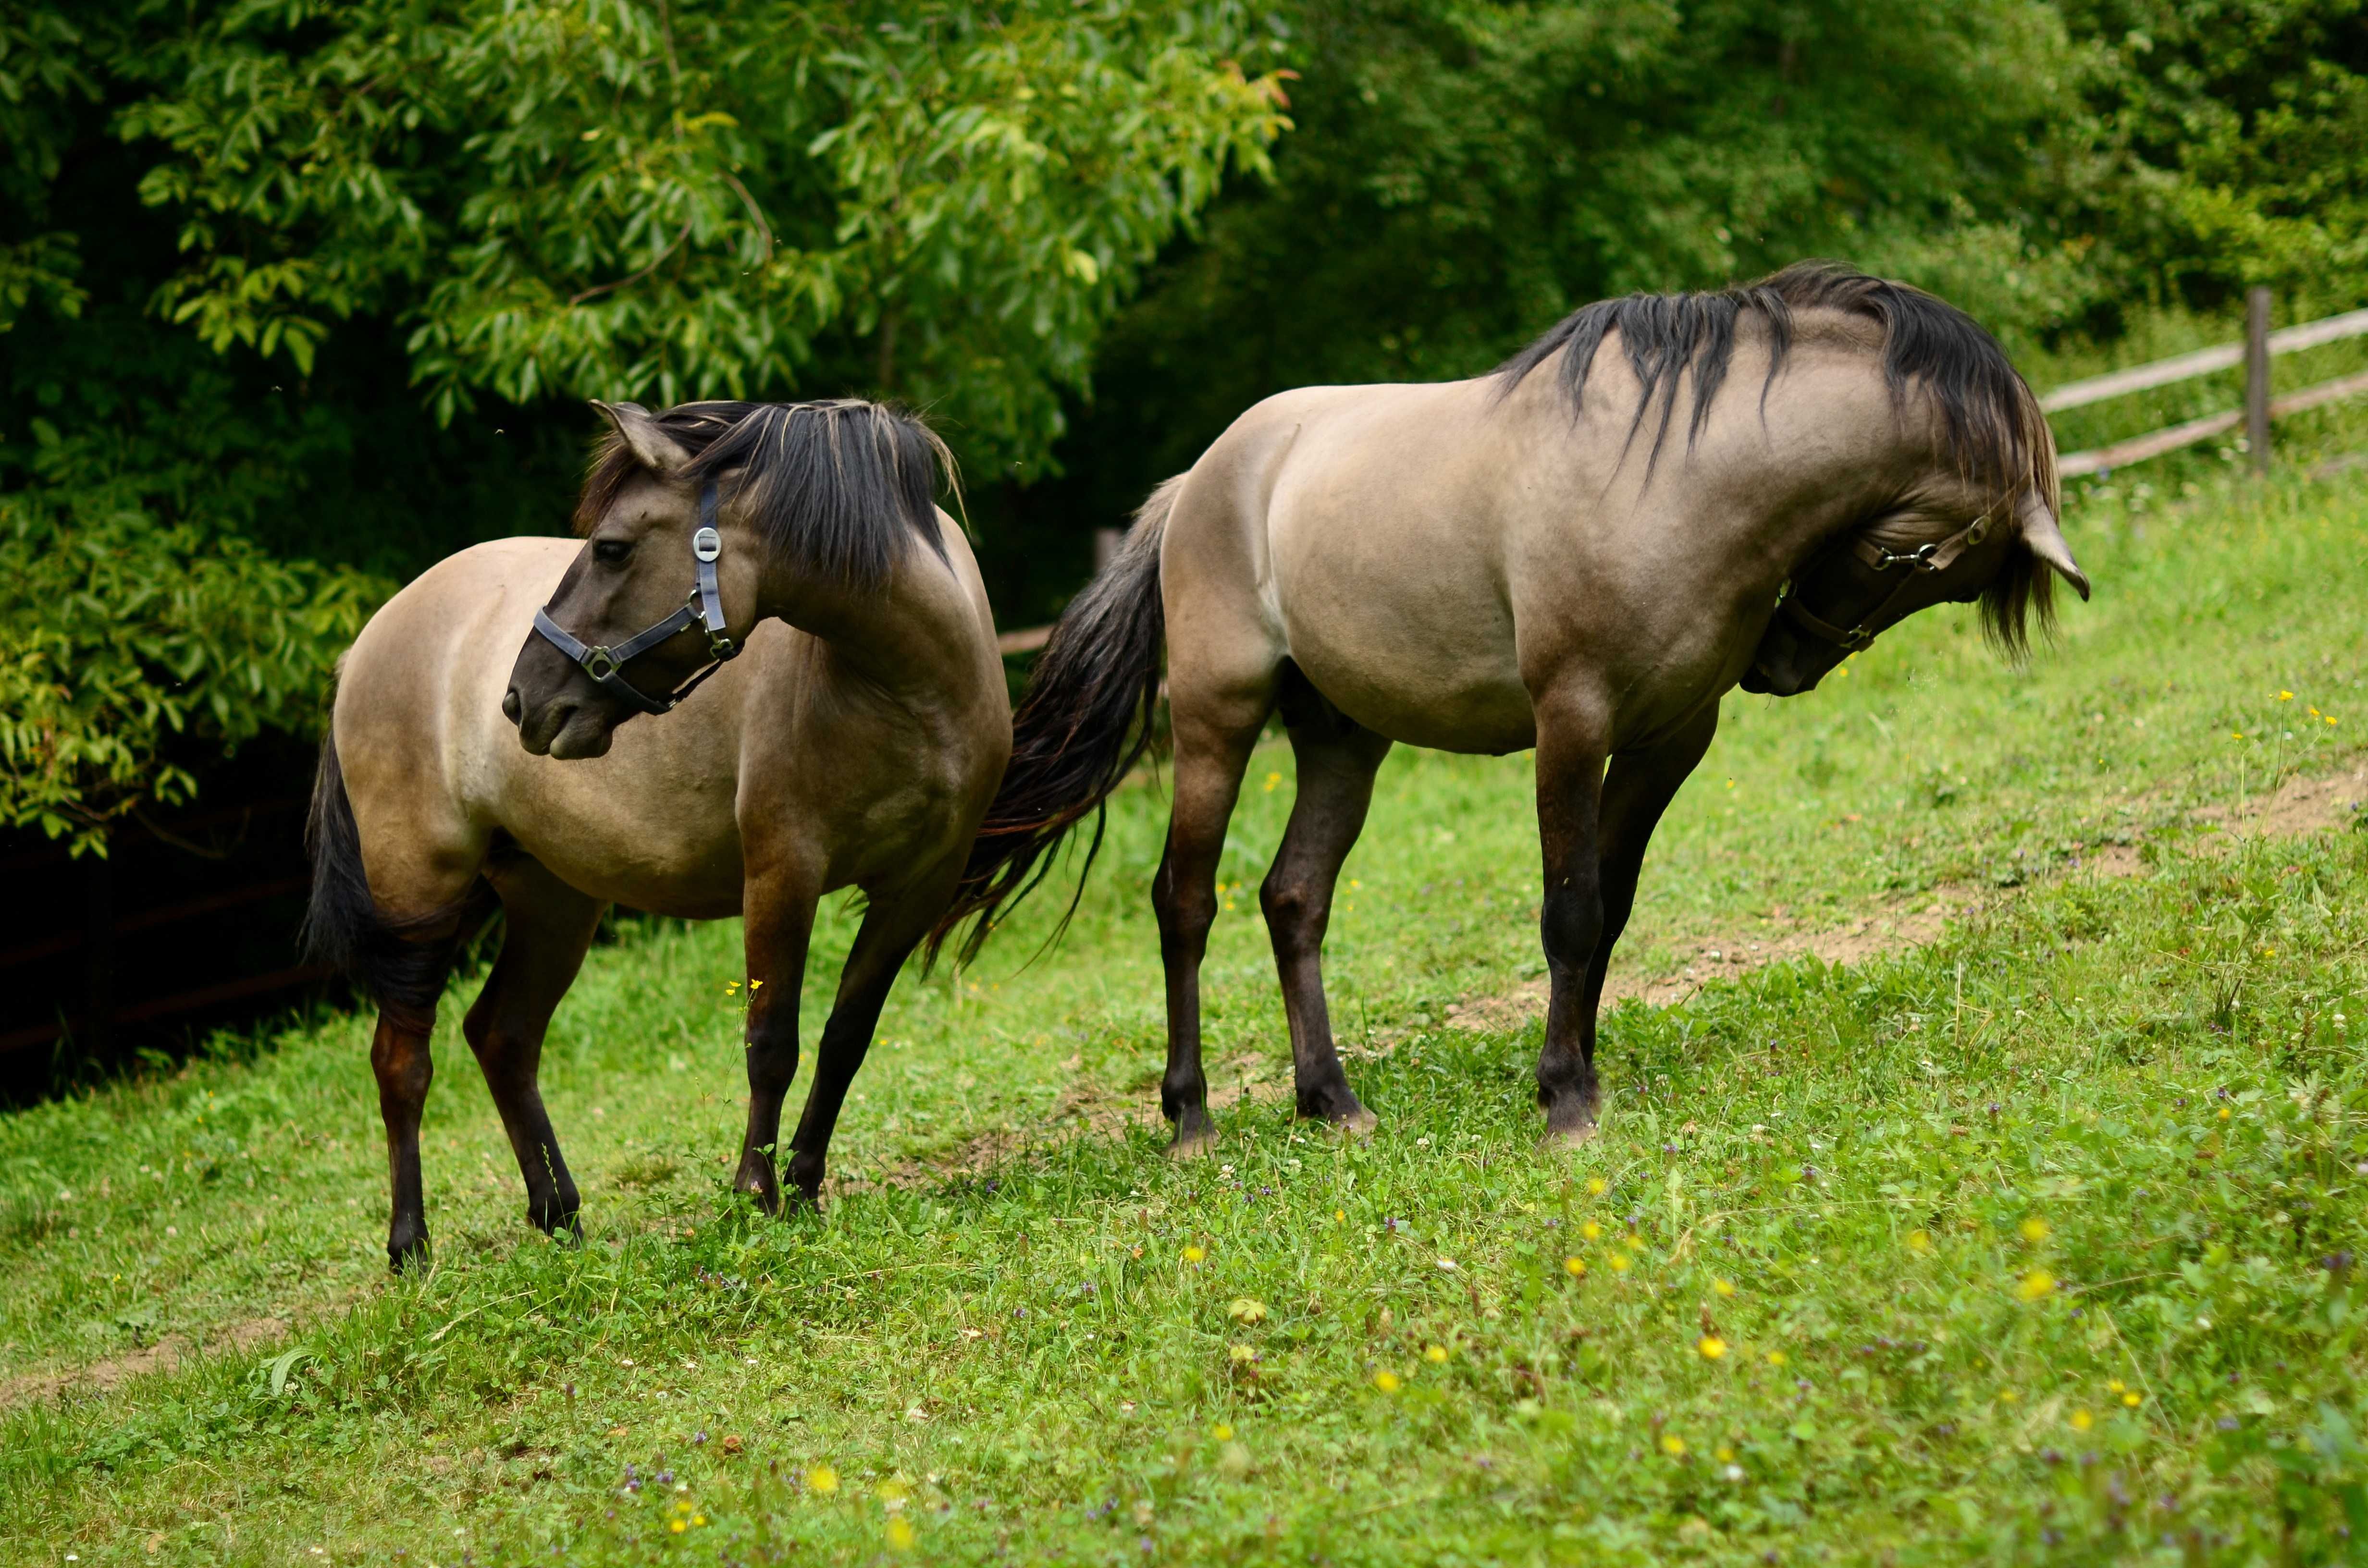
(1077, 1351)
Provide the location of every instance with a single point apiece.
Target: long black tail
(401, 964)
(1083, 723)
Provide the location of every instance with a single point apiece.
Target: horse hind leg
(1336, 758)
(1214, 737)
(548, 927)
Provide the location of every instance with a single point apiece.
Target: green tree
(298, 296)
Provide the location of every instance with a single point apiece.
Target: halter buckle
(599, 663)
(707, 544)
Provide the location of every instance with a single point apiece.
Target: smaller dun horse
(781, 578)
(1540, 558)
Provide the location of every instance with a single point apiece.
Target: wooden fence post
(2257, 376)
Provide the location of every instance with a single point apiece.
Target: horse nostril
(512, 709)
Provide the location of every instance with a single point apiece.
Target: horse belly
(1454, 707)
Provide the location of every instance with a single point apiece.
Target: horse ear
(645, 437)
(2045, 541)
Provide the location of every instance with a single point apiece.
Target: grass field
(2036, 1243)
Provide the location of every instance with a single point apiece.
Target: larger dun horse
(1548, 556)
(855, 744)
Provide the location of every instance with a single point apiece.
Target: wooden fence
(2255, 352)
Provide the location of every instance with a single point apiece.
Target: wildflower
(1435, 1355)
(2035, 1230)
(2224, 1113)
(1595, 1187)
(1919, 1241)
(1724, 1287)
(1338, 1215)
(676, 1527)
(2285, 696)
(2008, 1396)
(1221, 1433)
(822, 1479)
(2116, 1384)
(1712, 1347)
(1575, 1267)
(1591, 1230)
(1387, 1382)
(1242, 1354)
(1725, 1455)
(900, 1533)
(1193, 1254)
(2133, 1399)
(1618, 1263)
(1246, 1312)
(1673, 1445)
(2082, 1421)
(2035, 1284)
(1777, 1358)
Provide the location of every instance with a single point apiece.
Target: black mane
(1990, 423)
(839, 488)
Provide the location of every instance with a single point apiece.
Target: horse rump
(400, 964)
(1084, 721)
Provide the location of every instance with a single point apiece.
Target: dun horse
(855, 744)
(1535, 558)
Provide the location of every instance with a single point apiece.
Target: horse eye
(610, 551)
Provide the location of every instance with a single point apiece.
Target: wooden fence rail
(2255, 352)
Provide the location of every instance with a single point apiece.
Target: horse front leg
(1637, 788)
(779, 915)
(1571, 751)
(891, 930)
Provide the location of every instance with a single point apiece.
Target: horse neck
(913, 635)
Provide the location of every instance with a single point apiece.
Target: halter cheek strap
(703, 609)
(1935, 557)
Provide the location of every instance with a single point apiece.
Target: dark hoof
(1341, 1108)
(560, 1225)
(1195, 1142)
(406, 1251)
(1569, 1123)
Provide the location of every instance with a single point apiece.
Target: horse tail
(1084, 721)
(401, 964)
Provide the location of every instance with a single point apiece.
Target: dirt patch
(166, 1354)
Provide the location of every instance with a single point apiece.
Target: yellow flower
(2224, 1113)
(1673, 1445)
(1777, 1358)
(676, 1527)
(1575, 1267)
(900, 1533)
(1724, 1287)
(2035, 1230)
(1724, 1454)
(2133, 1399)
(1246, 1312)
(1591, 1230)
(1338, 1215)
(2082, 1421)
(1917, 1240)
(1618, 1263)
(1243, 1353)
(699, 1518)
(1595, 1187)
(2116, 1384)
(1193, 1254)
(1386, 1382)
(1712, 1347)
(2285, 696)
(2008, 1396)
(1221, 1433)
(2035, 1284)
(823, 1479)
(1436, 1354)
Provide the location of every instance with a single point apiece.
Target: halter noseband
(703, 609)
(1937, 556)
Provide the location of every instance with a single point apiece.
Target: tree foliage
(487, 206)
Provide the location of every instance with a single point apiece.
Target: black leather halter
(703, 609)
(1937, 556)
